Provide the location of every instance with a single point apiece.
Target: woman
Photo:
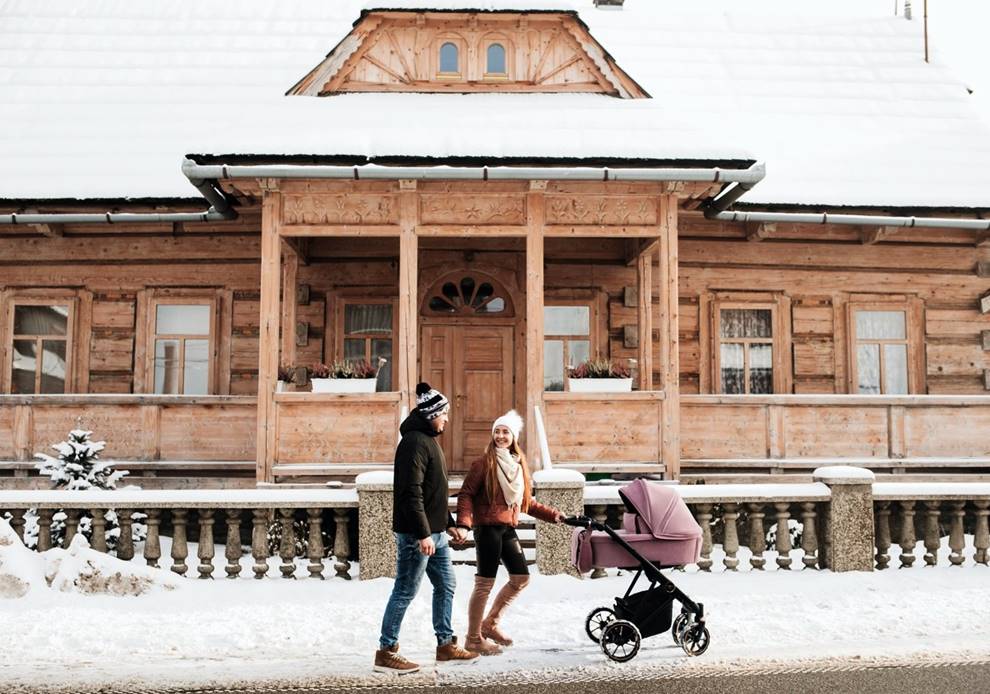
(496, 490)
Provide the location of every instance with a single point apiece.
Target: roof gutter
(848, 219)
(750, 176)
(220, 210)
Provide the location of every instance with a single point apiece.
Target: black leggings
(494, 544)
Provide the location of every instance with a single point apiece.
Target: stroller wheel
(596, 621)
(695, 639)
(620, 640)
(679, 622)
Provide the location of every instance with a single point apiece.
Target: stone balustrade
(236, 509)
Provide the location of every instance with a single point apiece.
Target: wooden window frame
(144, 358)
(77, 335)
(596, 315)
(779, 306)
(506, 44)
(462, 57)
(912, 308)
(339, 310)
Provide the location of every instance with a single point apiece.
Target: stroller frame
(638, 615)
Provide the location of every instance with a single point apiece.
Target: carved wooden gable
(468, 52)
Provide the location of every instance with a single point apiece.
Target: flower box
(281, 386)
(344, 385)
(599, 385)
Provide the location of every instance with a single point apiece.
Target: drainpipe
(750, 176)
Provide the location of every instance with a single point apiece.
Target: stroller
(658, 531)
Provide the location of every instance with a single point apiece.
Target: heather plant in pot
(599, 375)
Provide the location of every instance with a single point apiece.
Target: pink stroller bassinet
(657, 524)
(658, 531)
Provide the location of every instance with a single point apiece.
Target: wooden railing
(136, 427)
(202, 510)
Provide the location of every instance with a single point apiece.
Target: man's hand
(427, 547)
(457, 535)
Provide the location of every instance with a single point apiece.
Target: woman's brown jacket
(474, 509)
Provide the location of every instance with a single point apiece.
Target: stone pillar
(376, 543)
(563, 490)
(848, 523)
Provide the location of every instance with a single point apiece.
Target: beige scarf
(510, 477)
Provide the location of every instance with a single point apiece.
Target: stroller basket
(658, 532)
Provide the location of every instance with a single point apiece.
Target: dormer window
(449, 59)
(495, 64)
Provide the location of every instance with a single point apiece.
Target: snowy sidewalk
(224, 632)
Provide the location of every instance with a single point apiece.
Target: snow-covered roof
(102, 98)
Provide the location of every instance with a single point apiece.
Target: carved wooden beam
(871, 235)
(758, 232)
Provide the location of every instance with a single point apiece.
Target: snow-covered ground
(227, 631)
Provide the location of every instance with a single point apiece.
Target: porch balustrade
(237, 509)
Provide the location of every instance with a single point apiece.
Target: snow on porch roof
(102, 98)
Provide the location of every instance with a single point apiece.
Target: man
(421, 521)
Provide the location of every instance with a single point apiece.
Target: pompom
(423, 388)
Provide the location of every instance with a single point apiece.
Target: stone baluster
(703, 514)
(932, 539)
(152, 543)
(809, 535)
(730, 541)
(125, 543)
(17, 522)
(783, 544)
(757, 536)
(287, 547)
(259, 542)
(315, 543)
(71, 526)
(907, 538)
(598, 513)
(342, 543)
(98, 538)
(981, 533)
(957, 540)
(180, 546)
(232, 552)
(883, 534)
(45, 529)
(206, 550)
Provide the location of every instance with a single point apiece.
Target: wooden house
(775, 219)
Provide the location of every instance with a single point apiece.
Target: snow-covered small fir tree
(78, 467)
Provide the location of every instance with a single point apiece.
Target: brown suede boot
(389, 660)
(474, 641)
(509, 592)
(451, 652)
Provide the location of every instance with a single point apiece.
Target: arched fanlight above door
(469, 294)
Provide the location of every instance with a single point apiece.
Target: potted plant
(344, 377)
(284, 378)
(598, 376)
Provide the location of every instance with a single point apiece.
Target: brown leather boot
(474, 641)
(389, 660)
(509, 592)
(452, 652)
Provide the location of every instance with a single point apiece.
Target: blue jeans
(411, 564)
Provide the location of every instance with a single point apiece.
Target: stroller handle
(578, 521)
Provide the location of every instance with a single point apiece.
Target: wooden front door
(472, 366)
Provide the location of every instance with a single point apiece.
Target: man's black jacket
(420, 501)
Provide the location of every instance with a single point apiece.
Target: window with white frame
(880, 351)
(567, 336)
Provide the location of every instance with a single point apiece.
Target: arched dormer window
(495, 60)
(450, 63)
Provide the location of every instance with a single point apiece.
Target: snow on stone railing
(298, 528)
(905, 511)
(738, 521)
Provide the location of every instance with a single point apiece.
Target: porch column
(290, 275)
(535, 218)
(271, 259)
(406, 346)
(669, 348)
(644, 279)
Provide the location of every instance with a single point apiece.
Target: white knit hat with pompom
(512, 421)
